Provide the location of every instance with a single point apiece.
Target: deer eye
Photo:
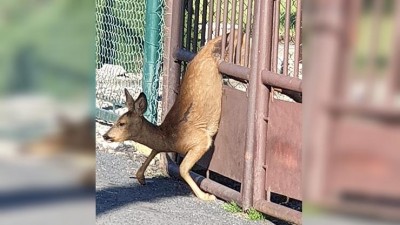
(121, 124)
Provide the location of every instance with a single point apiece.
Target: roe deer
(189, 126)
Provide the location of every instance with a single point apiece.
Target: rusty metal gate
(256, 155)
(353, 123)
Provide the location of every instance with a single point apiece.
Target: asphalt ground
(120, 199)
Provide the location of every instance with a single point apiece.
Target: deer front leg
(188, 162)
(142, 169)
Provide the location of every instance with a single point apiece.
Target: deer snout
(106, 137)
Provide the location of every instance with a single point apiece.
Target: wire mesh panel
(120, 59)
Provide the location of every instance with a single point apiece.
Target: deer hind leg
(188, 162)
(142, 169)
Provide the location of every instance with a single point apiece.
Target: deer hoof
(141, 180)
(209, 197)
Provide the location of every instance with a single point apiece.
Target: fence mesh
(120, 43)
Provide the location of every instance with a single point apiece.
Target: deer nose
(106, 137)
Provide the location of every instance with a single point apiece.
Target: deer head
(130, 124)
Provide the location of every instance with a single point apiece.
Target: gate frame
(260, 80)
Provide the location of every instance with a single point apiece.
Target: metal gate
(352, 138)
(257, 151)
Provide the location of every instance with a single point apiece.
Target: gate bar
(247, 185)
(279, 211)
(172, 42)
(275, 44)
(171, 75)
(247, 38)
(231, 70)
(263, 100)
(287, 38)
(298, 39)
(280, 81)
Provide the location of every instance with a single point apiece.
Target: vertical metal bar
(275, 50)
(189, 24)
(224, 28)
(232, 31)
(182, 18)
(258, 103)
(248, 179)
(248, 33)
(196, 26)
(287, 34)
(210, 19)
(172, 69)
(151, 66)
(204, 22)
(262, 99)
(320, 127)
(218, 18)
(298, 39)
(240, 28)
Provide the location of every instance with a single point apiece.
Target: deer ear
(141, 104)
(129, 100)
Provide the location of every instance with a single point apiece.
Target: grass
(254, 215)
(232, 207)
(251, 214)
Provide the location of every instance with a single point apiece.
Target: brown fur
(191, 123)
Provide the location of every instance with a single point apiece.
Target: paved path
(163, 200)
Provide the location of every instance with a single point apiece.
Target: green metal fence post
(152, 61)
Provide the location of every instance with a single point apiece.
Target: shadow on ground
(35, 197)
(111, 198)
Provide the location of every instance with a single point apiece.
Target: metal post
(172, 67)
(262, 99)
(249, 152)
(152, 62)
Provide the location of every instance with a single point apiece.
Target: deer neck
(152, 136)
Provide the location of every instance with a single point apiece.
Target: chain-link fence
(120, 55)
